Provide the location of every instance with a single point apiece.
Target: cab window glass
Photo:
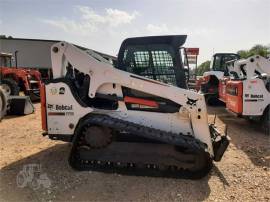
(155, 61)
(5, 61)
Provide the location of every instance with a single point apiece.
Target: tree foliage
(204, 67)
(255, 50)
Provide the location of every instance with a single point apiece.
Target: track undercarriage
(126, 147)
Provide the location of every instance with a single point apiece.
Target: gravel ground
(242, 175)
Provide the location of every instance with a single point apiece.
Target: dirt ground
(242, 175)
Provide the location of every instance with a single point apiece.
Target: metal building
(33, 53)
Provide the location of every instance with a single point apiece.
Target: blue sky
(211, 25)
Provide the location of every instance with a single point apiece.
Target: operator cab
(155, 57)
(219, 61)
(5, 59)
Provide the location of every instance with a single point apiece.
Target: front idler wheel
(97, 136)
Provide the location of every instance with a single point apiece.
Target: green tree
(255, 50)
(243, 53)
(204, 67)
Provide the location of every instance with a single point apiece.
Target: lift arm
(247, 68)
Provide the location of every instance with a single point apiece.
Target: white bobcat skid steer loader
(248, 90)
(120, 121)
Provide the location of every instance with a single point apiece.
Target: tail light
(206, 79)
(43, 107)
(202, 80)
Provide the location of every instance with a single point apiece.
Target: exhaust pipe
(16, 64)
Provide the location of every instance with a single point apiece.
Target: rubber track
(191, 144)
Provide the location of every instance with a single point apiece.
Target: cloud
(112, 17)
(165, 29)
(157, 29)
(90, 21)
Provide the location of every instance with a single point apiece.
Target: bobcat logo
(191, 102)
(50, 106)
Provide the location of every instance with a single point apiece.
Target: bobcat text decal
(254, 98)
(59, 107)
(61, 110)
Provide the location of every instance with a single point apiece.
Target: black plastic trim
(64, 138)
(71, 87)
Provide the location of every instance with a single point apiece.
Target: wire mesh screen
(154, 64)
(141, 59)
(162, 59)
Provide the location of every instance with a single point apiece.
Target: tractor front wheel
(10, 86)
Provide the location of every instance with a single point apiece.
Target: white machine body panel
(255, 97)
(61, 104)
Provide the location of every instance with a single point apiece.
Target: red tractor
(15, 79)
(210, 83)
